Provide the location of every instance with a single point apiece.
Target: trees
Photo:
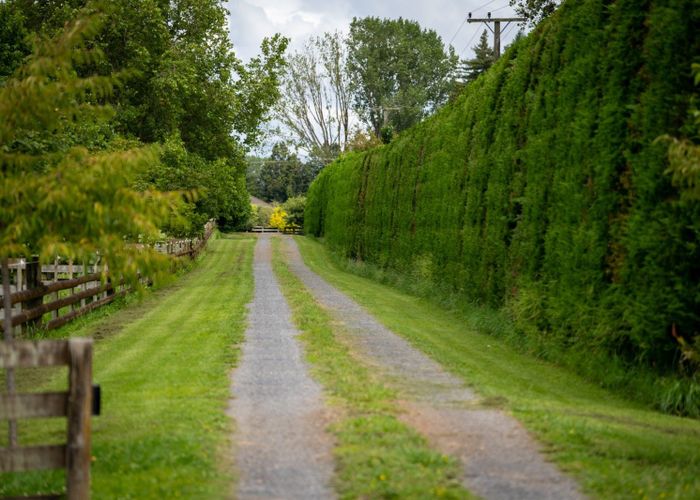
(280, 176)
(315, 104)
(295, 207)
(398, 70)
(185, 89)
(391, 73)
(13, 43)
(483, 59)
(543, 190)
(535, 10)
(60, 193)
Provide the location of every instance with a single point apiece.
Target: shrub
(294, 207)
(278, 219)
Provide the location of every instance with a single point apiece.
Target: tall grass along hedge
(543, 190)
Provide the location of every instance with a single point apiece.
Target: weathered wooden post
(7, 336)
(79, 412)
(76, 404)
(83, 287)
(33, 277)
(54, 314)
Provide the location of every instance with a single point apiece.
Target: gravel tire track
(499, 458)
(281, 447)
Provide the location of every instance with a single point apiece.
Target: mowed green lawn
(615, 448)
(163, 365)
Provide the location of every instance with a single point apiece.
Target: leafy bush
(259, 217)
(295, 210)
(543, 189)
(278, 219)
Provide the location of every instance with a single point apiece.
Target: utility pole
(496, 30)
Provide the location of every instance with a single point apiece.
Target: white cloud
(251, 20)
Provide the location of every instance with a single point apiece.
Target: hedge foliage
(543, 188)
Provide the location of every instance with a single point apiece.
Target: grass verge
(377, 455)
(163, 366)
(616, 448)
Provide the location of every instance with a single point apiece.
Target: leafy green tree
(13, 40)
(535, 10)
(483, 59)
(399, 71)
(185, 89)
(282, 175)
(62, 198)
(257, 88)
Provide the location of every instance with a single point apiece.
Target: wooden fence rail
(286, 230)
(76, 404)
(65, 291)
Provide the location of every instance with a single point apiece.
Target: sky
(252, 20)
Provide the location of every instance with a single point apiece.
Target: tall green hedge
(543, 190)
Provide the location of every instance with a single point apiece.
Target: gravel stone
(500, 460)
(281, 447)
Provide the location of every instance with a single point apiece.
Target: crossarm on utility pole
(501, 19)
(496, 28)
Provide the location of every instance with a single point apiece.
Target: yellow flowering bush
(278, 219)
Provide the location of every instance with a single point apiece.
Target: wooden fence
(49, 296)
(76, 404)
(286, 230)
(187, 247)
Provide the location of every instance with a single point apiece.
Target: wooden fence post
(79, 410)
(83, 287)
(7, 337)
(19, 286)
(54, 314)
(33, 277)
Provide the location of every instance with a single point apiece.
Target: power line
(507, 30)
(469, 42)
(485, 5)
(500, 8)
(496, 28)
(457, 32)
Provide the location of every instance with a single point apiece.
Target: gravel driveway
(500, 460)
